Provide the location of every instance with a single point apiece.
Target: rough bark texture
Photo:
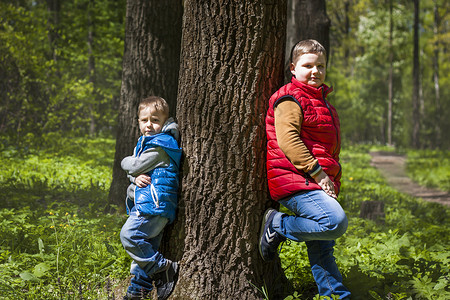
(231, 62)
(306, 20)
(150, 67)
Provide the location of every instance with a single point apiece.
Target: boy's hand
(325, 183)
(143, 180)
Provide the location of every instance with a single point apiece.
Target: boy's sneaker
(165, 280)
(269, 239)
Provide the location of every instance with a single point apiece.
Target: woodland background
(60, 83)
(61, 65)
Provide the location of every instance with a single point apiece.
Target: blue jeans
(319, 219)
(141, 237)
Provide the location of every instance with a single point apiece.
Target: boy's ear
(292, 68)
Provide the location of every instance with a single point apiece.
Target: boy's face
(310, 69)
(151, 121)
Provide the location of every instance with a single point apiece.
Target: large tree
(150, 67)
(231, 62)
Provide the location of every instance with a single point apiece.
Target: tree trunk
(232, 61)
(437, 98)
(150, 67)
(416, 80)
(306, 20)
(391, 71)
(91, 66)
(373, 210)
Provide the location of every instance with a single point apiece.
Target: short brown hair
(158, 103)
(307, 46)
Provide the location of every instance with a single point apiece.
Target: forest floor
(392, 167)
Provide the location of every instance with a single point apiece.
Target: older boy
(151, 199)
(303, 168)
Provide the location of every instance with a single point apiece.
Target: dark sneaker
(165, 280)
(269, 239)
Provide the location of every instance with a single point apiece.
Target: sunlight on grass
(403, 258)
(58, 244)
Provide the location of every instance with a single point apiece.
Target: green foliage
(57, 242)
(359, 62)
(430, 168)
(404, 258)
(65, 168)
(60, 69)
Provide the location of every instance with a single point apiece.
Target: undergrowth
(403, 257)
(57, 242)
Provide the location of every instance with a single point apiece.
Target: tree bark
(232, 61)
(150, 67)
(306, 20)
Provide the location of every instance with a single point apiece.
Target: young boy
(151, 200)
(303, 170)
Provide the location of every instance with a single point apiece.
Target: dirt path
(392, 166)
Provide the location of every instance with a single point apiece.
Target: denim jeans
(319, 219)
(141, 237)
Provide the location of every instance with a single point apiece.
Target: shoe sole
(175, 279)
(262, 231)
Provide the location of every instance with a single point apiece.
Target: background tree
(150, 67)
(416, 115)
(232, 61)
(391, 75)
(436, 29)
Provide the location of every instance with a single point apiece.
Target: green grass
(404, 258)
(430, 168)
(56, 242)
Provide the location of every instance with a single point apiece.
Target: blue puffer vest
(160, 197)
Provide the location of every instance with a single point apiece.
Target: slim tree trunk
(150, 67)
(232, 61)
(91, 65)
(416, 81)
(436, 25)
(391, 71)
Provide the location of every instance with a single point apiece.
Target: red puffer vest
(320, 133)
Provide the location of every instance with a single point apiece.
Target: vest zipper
(332, 118)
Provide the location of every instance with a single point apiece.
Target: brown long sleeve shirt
(288, 124)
